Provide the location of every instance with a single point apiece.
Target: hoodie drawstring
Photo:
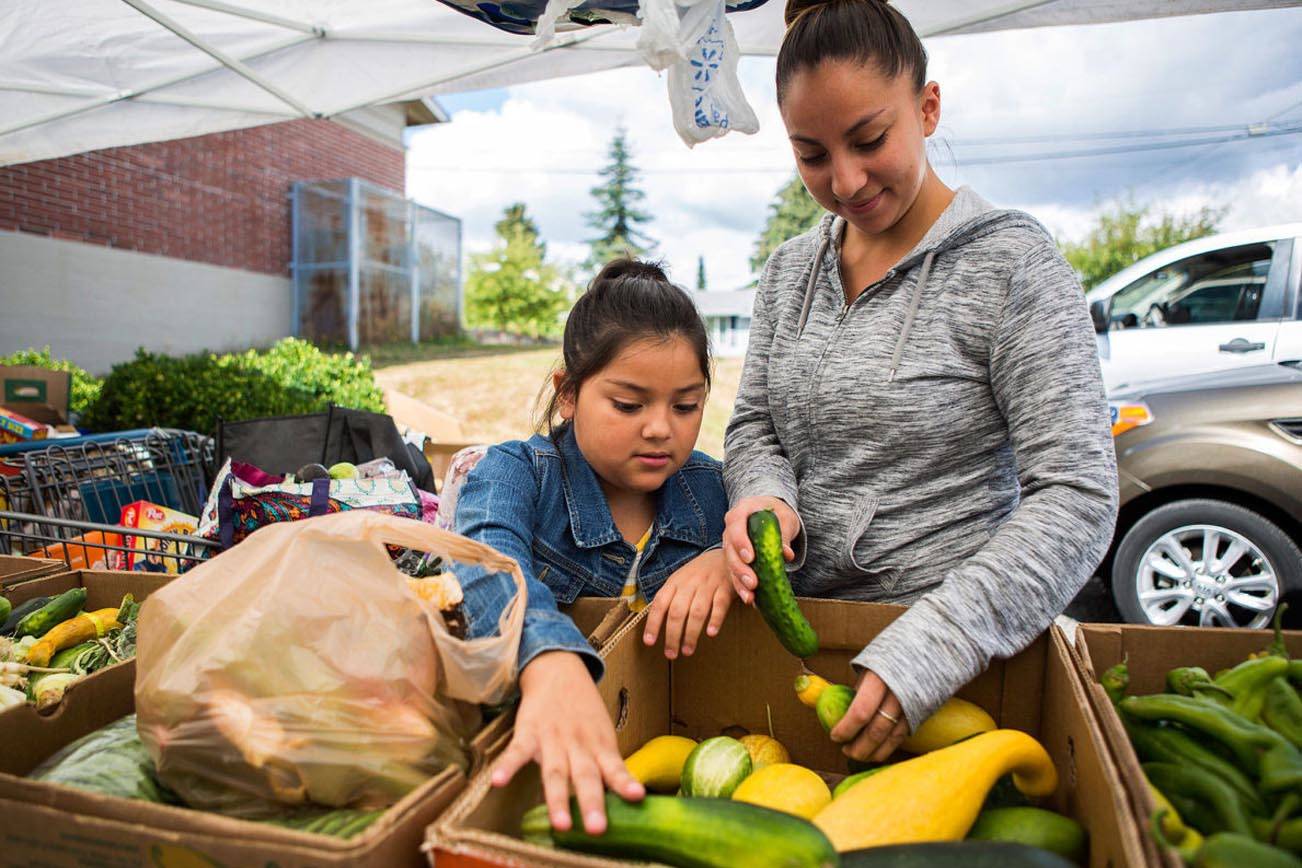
(913, 310)
(914, 301)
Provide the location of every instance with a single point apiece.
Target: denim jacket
(540, 502)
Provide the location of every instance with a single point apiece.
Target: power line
(1258, 131)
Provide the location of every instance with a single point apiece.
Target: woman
(921, 401)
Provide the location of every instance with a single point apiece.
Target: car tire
(1279, 550)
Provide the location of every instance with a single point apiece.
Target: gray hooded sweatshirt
(944, 439)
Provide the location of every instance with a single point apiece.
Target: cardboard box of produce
(1150, 652)
(15, 569)
(44, 824)
(743, 677)
(36, 393)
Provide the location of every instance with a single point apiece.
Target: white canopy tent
(77, 75)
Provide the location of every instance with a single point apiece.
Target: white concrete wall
(95, 305)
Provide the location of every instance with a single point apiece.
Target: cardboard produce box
(15, 569)
(743, 675)
(103, 589)
(45, 824)
(1150, 652)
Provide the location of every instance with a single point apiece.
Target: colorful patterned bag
(237, 506)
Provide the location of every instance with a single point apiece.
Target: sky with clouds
(542, 143)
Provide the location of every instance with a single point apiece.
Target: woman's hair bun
(796, 8)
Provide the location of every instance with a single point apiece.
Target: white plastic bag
(704, 90)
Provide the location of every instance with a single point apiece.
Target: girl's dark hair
(862, 31)
(627, 301)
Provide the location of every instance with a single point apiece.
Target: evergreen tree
(792, 212)
(618, 218)
(700, 274)
(512, 288)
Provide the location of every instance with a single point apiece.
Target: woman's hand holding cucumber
(874, 725)
(737, 549)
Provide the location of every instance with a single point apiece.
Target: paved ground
(1094, 603)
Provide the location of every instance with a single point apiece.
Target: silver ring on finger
(886, 714)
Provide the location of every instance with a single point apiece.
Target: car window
(1218, 287)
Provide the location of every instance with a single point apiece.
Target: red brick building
(177, 245)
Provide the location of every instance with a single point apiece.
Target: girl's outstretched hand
(563, 726)
(696, 596)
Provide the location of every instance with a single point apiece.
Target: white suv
(1205, 305)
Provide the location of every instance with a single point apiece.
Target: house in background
(727, 319)
(182, 245)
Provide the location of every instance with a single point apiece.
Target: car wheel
(1204, 563)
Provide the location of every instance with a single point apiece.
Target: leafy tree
(700, 274)
(618, 217)
(1126, 232)
(792, 212)
(512, 287)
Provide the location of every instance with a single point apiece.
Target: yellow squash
(937, 796)
(809, 687)
(954, 721)
(765, 750)
(785, 787)
(74, 631)
(658, 764)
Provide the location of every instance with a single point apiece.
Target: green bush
(192, 392)
(85, 388)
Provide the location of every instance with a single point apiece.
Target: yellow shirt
(631, 593)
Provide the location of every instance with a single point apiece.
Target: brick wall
(221, 198)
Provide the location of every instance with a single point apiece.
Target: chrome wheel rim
(1209, 576)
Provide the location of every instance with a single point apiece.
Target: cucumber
(850, 780)
(22, 611)
(832, 705)
(773, 596)
(716, 767)
(52, 614)
(954, 854)
(1032, 826)
(5, 608)
(692, 833)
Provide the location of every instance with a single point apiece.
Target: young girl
(612, 501)
(921, 401)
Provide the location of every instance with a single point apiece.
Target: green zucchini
(1035, 827)
(954, 854)
(21, 611)
(773, 595)
(52, 614)
(691, 833)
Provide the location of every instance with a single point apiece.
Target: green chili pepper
(1282, 710)
(1194, 681)
(1167, 744)
(1288, 835)
(1248, 682)
(1295, 671)
(1115, 681)
(1230, 850)
(1277, 648)
(1259, 750)
(1226, 813)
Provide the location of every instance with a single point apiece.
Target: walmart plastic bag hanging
(301, 667)
(693, 40)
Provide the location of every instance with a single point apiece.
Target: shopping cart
(84, 545)
(64, 499)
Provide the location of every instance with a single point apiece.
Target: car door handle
(1239, 345)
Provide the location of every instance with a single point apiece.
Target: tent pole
(254, 15)
(232, 63)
